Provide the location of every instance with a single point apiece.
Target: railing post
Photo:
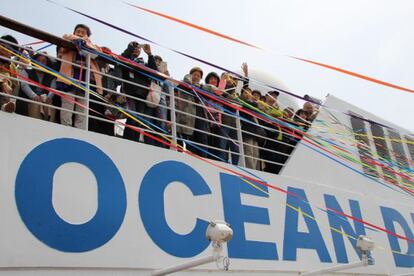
(87, 85)
(172, 111)
(242, 161)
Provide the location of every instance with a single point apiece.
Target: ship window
(399, 154)
(364, 148)
(410, 147)
(382, 150)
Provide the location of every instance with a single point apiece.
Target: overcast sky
(371, 37)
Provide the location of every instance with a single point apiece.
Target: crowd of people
(206, 126)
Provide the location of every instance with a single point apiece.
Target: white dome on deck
(258, 81)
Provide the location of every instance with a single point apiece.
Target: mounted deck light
(364, 245)
(218, 232)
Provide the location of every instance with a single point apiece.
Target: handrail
(171, 108)
(33, 32)
(138, 85)
(238, 106)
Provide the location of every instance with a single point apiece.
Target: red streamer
(210, 161)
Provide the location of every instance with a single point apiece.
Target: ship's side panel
(355, 154)
(76, 202)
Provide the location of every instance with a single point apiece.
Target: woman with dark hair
(167, 88)
(300, 118)
(190, 118)
(219, 140)
(38, 94)
(139, 87)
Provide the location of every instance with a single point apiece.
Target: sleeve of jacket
(151, 62)
(118, 74)
(26, 87)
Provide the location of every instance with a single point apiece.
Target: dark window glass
(364, 149)
(410, 146)
(382, 150)
(400, 156)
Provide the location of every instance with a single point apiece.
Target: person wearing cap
(310, 111)
(8, 85)
(38, 94)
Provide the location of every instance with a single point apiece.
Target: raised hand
(245, 69)
(147, 49)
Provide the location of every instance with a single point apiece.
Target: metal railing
(157, 125)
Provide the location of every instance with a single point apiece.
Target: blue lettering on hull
(33, 194)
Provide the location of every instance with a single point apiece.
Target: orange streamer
(194, 26)
(356, 75)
